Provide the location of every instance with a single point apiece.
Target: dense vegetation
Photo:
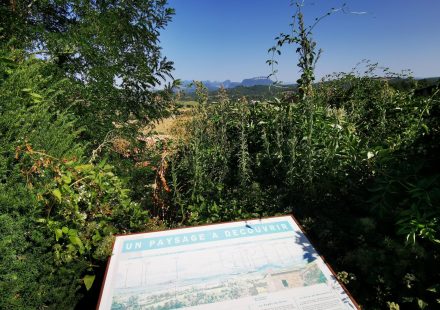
(63, 194)
(359, 174)
(352, 157)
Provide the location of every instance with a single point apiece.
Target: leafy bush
(109, 48)
(59, 212)
(59, 208)
(28, 278)
(354, 162)
(28, 95)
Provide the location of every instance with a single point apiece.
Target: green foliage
(357, 170)
(74, 76)
(352, 157)
(29, 92)
(83, 205)
(28, 278)
(59, 212)
(109, 48)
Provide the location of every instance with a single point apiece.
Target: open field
(172, 126)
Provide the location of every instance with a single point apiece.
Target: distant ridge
(261, 80)
(215, 85)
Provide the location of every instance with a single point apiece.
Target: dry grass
(171, 126)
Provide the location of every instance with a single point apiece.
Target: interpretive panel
(266, 264)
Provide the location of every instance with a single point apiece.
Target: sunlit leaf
(88, 280)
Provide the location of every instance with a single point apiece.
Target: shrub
(58, 212)
(358, 174)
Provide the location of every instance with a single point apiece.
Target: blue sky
(229, 39)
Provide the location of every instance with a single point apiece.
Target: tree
(110, 48)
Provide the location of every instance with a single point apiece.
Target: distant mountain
(228, 84)
(262, 80)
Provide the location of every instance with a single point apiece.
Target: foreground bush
(58, 210)
(354, 162)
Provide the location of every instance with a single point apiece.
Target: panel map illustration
(263, 264)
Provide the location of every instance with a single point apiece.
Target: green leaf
(102, 163)
(77, 241)
(58, 233)
(96, 236)
(421, 303)
(88, 280)
(73, 232)
(36, 96)
(57, 194)
(66, 179)
(84, 167)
